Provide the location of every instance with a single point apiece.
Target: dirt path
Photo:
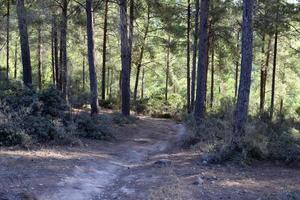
(146, 162)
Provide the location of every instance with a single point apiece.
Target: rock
(162, 163)
(199, 181)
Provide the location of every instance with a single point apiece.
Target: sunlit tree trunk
(167, 69)
(195, 46)
(7, 38)
(16, 60)
(39, 53)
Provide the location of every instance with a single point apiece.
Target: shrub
(120, 119)
(11, 135)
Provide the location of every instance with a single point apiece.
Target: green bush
(11, 135)
(120, 119)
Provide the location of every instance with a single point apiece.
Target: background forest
(80, 47)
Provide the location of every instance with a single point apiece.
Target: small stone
(163, 163)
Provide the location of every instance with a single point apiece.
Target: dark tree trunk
(104, 51)
(143, 84)
(167, 69)
(16, 60)
(195, 46)
(139, 65)
(212, 81)
(130, 37)
(52, 56)
(274, 68)
(108, 80)
(91, 57)
(111, 83)
(63, 35)
(7, 39)
(242, 104)
(125, 58)
(39, 53)
(25, 51)
(83, 65)
(209, 41)
(202, 60)
(188, 75)
(56, 59)
(237, 64)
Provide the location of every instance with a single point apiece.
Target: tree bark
(104, 51)
(52, 55)
(195, 46)
(16, 60)
(212, 75)
(83, 65)
(25, 51)
(274, 67)
(91, 57)
(143, 84)
(130, 37)
(167, 69)
(188, 75)
(56, 59)
(139, 65)
(125, 58)
(237, 65)
(7, 38)
(202, 58)
(64, 62)
(39, 53)
(241, 112)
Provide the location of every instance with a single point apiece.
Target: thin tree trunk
(237, 65)
(143, 84)
(52, 55)
(56, 59)
(188, 75)
(64, 67)
(125, 58)
(130, 37)
(274, 68)
(209, 41)
(104, 51)
(241, 112)
(39, 53)
(7, 38)
(167, 69)
(16, 60)
(83, 65)
(139, 65)
(25, 51)
(111, 83)
(202, 58)
(195, 46)
(212, 75)
(91, 57)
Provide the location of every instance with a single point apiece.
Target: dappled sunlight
(52, 154)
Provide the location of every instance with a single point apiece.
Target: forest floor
(145, 161)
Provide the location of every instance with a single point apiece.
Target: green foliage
(121, 120)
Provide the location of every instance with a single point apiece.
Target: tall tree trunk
(167, 69)
(16, 60)
(188, 75)
(52, 55)
(143, 84)
(56, 59)
(241, 112)
(130, 37)
(25, 51)
(91, 57)
(237, 64)
(212, 81)
(202, 60)
(125, 58)
(209, 41)
(111, 83)
(139, 65)
(63, 35)
(104, 50)
(274, 67)
(7, 38)
(39, 53)
(195, 46)
(83, 64)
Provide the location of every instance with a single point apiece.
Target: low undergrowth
(277, 140)
(28, 117)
